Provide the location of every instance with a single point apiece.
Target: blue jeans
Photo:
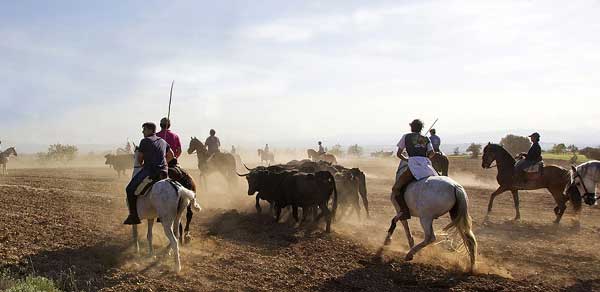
(136, 181)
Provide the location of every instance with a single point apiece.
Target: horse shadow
(377, 275)
(259, 230)
(526, 230)
(74, 269)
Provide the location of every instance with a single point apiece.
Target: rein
(577, 175)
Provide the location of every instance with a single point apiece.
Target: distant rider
(266, 150)
(172, 139)
(321, 149)
(154, 153)
(435, 141)
(419, 151)
(533, 156)
(128, 147)
(232, 149)
(212, 143)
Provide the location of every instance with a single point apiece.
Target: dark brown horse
(223, 163)
(554, 178)
(4, 155)
(441, 164)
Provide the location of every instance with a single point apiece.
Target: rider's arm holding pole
(170, 155)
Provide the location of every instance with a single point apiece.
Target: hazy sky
(292, 72)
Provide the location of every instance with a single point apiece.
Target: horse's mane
(498, 147)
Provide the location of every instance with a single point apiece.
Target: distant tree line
(58, 152)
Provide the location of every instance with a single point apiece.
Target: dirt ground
(65, 223)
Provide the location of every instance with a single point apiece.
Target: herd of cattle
(309, 185)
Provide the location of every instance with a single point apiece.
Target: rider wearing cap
(533, 156)
(419, 151)
(171, 138)
(154, 154)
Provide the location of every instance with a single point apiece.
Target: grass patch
(565, 156)
(8, 283)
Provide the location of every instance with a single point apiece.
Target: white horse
(164, 202)
(585, 177)
(429, 199)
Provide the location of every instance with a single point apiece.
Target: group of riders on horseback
(157, 155)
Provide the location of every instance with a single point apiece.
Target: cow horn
(241, 174)
(247, 167)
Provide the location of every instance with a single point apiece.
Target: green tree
(559, 148)
(572, 148)
(475, 150)
(515, 144)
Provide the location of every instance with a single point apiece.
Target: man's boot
(133, 217)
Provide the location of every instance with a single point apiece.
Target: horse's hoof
(408, 257)
(388, 241)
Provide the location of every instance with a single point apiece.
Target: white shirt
(419, 166)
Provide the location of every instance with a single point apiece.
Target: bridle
(589, 198)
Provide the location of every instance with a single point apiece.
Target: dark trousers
(398, 192)
(133, 185)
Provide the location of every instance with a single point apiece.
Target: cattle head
(109, 159)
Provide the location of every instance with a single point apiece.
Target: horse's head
(11, 150)
(582, 183)
(489, 155)
(196, 146)
(136, 154)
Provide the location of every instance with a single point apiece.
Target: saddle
(148, 182)
(145, 186)
(530, 173)
(535, 168)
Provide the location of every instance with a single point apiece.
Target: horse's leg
(174, 244)
(136, 243)
(515, 195)
(427, 224)
(149, 237)
(188, 219)
(409, 238)
(500, 190)
(561, 205)
(388, 238)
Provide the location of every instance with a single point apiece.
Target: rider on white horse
(321, 149)
(154, 154)
(419, 151)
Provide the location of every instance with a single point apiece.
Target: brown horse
(223, 163)
(440, 163)
(315, 156)
(554, 178)
(4, 155)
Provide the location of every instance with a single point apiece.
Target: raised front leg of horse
(500, 190)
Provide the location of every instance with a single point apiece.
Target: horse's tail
(462, 222)
(191, 196)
